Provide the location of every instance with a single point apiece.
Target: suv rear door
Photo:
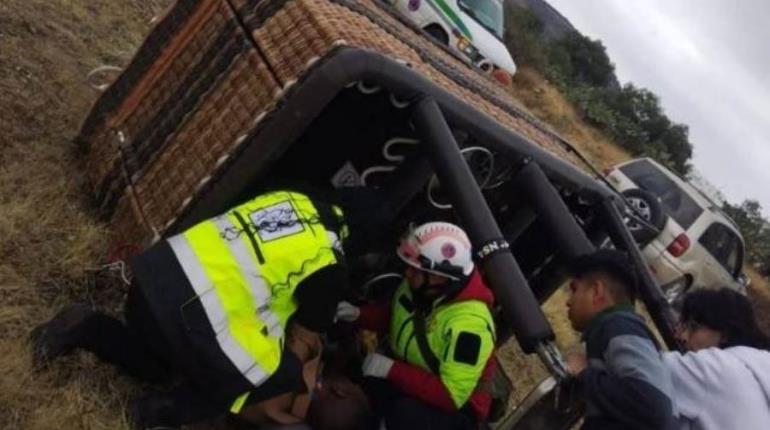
(724, 256)
(682, 209)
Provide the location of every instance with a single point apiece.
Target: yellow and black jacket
(224, 290)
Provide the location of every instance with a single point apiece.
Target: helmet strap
(443, 292)
(422, 299)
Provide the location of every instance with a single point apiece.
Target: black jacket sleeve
(317, 297)
(631, 386)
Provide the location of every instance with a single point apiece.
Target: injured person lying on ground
(328, 400)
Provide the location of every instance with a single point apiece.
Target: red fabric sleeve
(421, 384)
(374, 317)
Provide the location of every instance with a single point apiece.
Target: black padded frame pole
(520, 307)
(552, 211)
(308, 98)
(648, 289)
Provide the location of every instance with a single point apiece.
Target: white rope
(396, 141)
(387, 155)
(367, 90)
(119, 267)
(367, 284)
(90, 78)
(398, 104)
(433, 183)
(375, 169)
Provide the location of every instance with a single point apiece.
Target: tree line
(630, 115)
(756, 232)
(583, 72)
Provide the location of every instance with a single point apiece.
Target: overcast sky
(709, 62)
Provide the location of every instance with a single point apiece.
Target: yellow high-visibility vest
(245, 265)
(445, 323)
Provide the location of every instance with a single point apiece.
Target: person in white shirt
(723, 381)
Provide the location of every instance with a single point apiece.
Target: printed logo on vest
(276, 221)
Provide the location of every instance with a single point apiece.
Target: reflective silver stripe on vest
(260, 292)
(212, 306)
(335, 241)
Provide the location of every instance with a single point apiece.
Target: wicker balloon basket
(213, 74)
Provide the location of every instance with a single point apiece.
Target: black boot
(61, 335)
(153, 411)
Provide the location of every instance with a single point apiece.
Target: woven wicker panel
(192, 102)
(103, 159)
(244, 93)
(151, 111)
(128, 226)
(303, 30)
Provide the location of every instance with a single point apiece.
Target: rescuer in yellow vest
(441, 336)
(213, 306)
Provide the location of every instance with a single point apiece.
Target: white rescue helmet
(440, 248)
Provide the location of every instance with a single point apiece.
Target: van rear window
(676, 202)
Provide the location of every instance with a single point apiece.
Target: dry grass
(526, 370)
(550, 106)
(51, 243)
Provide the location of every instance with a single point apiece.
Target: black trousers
(136, 346)
(403, 412)
(139, 349)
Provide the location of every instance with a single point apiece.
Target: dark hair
(612, 264)
(727, 312)
(332, 411)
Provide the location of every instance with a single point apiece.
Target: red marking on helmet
(448, 250)
(408, 250)
(443, 231)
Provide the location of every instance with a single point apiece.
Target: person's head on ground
(437, 256)
(600, 280)
(338, 404)
(719, 318)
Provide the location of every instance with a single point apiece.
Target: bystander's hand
(576, 362)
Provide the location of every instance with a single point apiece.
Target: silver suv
(692, 244)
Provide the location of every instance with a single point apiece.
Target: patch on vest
(276, 221)
(467, 348)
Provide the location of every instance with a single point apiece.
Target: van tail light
(679, 246)
(607, 171)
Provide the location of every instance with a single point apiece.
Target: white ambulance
(472, 27)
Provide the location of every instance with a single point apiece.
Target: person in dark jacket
(213, 306)
(623, 379)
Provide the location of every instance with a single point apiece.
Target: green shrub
(582, 71)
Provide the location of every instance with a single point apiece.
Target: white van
(472, 27)
(695, 244)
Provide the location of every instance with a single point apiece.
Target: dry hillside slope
(51, 245)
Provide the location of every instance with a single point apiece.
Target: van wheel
(437, 33)
(646, 205)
